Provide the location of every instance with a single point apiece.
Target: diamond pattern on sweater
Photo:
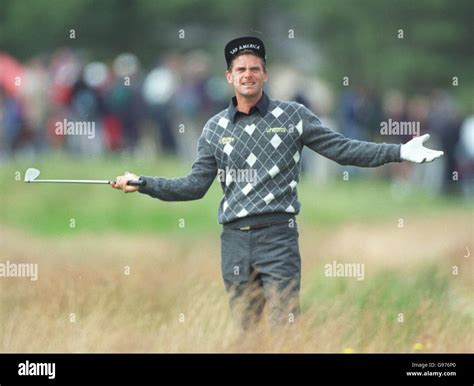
(272, 155)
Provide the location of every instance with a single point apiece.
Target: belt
(259, 221)
(260, 226)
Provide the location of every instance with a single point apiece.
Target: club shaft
(131, 182)
(74, 181)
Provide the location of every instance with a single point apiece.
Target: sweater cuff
(395, 153)
(148, 187)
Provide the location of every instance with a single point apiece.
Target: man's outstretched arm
(190, 187)
(346, 151)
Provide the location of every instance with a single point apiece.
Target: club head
(31, 174)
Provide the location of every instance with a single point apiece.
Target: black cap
(246, 43)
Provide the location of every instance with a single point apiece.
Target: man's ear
(229, 77)
(265, 76)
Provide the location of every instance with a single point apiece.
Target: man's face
(247, 75)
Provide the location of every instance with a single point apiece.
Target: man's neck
(245, 104)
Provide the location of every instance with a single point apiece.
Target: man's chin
(250, 93)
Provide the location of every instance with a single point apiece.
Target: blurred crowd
(165, 109)
(361, 112)
(126, 105)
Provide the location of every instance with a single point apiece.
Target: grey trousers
(262, 267)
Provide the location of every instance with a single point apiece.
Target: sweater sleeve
(345, 151)
(190, 187)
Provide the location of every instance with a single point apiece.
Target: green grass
(427, 297)
(387, 290)
(47, 209)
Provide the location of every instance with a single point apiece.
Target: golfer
(254, 147)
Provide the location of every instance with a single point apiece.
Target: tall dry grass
(174, 300)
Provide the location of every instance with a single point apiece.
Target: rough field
(133, 281)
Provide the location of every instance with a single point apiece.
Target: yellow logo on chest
(276, 130)
(226, 140)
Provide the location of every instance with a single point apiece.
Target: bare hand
(121, 183)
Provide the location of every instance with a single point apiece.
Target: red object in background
(61, 94)
(112, 132)
(56, 141)
(10, 69)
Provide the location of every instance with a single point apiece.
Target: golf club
(32, 174)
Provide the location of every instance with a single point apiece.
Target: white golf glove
(414, 151)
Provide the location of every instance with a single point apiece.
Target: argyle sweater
(257, 159)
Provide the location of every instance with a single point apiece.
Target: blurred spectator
(444, 122)
(159, 88)
(123, 99)
(11, 124)
(465, 156)
(87, 106)
(359, 112)
(34, 99)
(65, 70)
(429, 176)
(193, 104)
